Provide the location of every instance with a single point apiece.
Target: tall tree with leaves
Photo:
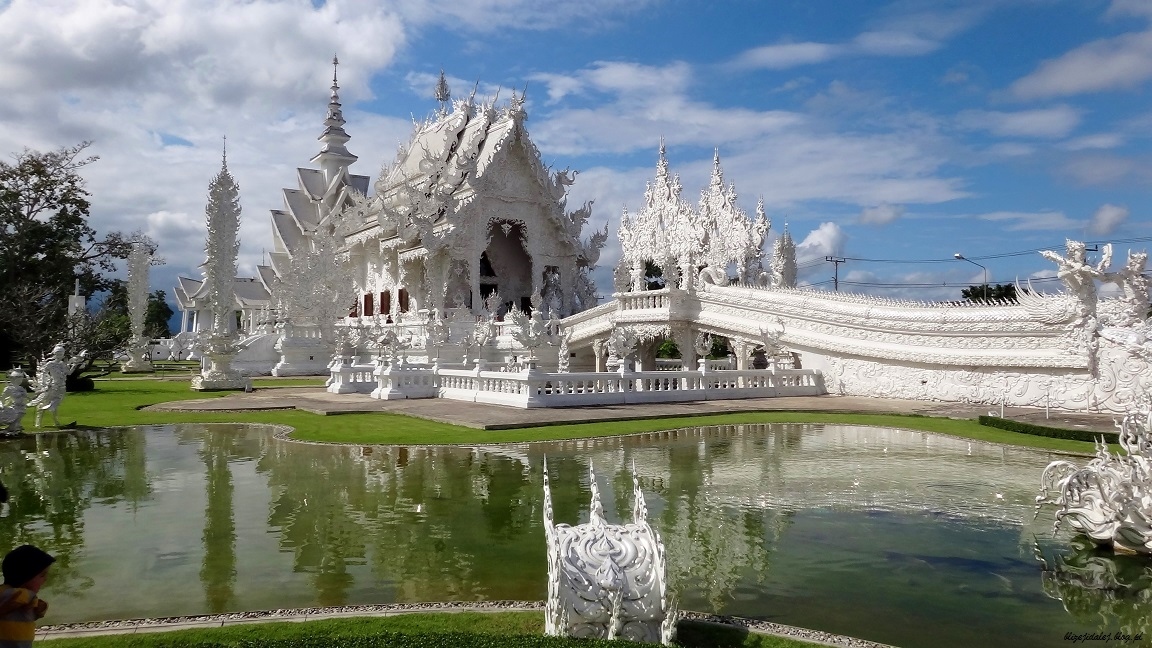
(46, 244)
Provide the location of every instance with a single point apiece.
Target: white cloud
(1052, 122)
(787, 55)
(1121, 8)
(1010, 150)
(1098, 141)
(490, 15)
(826, 240)
(1104, 170)
(894, 43)
(900, 34)
(624, 79)
(1114, 63)
(1107, 219)
(881, 214)
(1045, 220)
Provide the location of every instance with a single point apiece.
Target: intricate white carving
(783, 262)
(218, 341)
(530, 332)
(1134, 286)
(679, 239)
(49, 384)
(13, 402)
(1110, 499)
(139, 346)
(606, 580)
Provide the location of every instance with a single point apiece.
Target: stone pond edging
(199, 622)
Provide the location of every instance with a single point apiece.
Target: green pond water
(895, 536)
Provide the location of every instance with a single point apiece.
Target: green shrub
(1040, 430)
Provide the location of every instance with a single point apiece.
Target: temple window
(402, 300)
(368, 304)
(385, 302)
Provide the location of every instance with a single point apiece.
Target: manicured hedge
(1040, 430)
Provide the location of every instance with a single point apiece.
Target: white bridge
(1031, 353)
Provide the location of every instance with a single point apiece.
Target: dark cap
(23, 563)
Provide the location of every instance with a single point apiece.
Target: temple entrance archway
(511, 265)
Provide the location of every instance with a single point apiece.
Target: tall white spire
(334, 156)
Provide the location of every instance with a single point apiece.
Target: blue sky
(876, 130)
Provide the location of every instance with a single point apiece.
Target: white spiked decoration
(606, 580)
(139, 346)
(221, 247)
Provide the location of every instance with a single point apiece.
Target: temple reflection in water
(782, 522)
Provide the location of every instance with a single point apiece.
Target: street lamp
(964, 258)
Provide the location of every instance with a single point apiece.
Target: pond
(895, 536)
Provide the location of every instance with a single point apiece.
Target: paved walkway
(497, 417)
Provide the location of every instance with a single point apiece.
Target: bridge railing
(533, 388)
(644, 299)
(676, 364)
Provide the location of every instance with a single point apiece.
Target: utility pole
(836, 273)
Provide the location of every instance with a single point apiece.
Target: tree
(105, 332)
(46, 244)
(653, 275)
(159, 312)
(990, 292)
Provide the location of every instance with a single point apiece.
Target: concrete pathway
(497, 417)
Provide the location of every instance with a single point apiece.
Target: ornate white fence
(540, 389)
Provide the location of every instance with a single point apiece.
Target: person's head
(26, 566)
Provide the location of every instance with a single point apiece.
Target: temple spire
(442, 92)
(334, 157)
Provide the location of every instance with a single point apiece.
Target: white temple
(464, 250)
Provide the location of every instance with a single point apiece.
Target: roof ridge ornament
(443, 93)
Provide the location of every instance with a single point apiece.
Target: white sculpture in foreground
(49, 384)
(139, 346)
(13, 403)
(606, 580)
(218, 343)
(1110, 499)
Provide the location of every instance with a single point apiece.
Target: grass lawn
(119, 402)
(450, 630)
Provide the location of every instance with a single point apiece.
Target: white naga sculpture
(13, 403)
(1109, 500)
(218, 343)
(139, 346)
(606, 580)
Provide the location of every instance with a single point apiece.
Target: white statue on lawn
(13, 403)
(49, 385)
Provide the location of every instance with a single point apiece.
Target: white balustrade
(529, 389)
(644, 299)
(352, 378)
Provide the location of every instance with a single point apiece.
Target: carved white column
(741, 348)
(685, 341)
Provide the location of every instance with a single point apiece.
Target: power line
(1003, 255)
